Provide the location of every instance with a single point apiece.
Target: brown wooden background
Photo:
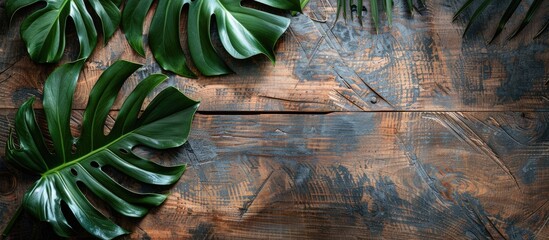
(413, 133)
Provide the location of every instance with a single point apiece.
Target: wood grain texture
(421, 63)
(352, 175)
(407, 134)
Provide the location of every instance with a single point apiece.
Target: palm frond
(505, 18)
(529, 15)
(509, 12)
(344, 5)
(477, 13)
(462, 8)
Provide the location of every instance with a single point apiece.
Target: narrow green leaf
(133, 18)
(476, 14)
(303, 5)
(131, 107)
(12, 221)
(375, 14)
(109, 14)
(529, 15)
(164, 38)
(463, 7)
(389, 11)
(99, 104)
(31, 145)
(360, 6)
(410, 6)
(506, 16)
(58, 95)
(345, 11)
(339, 6)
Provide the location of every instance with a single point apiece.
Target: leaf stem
(12, 221)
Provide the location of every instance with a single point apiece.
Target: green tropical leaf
(44, 30)
(375, 14)
(536, 5)
(477, 13)
(244, 31)
(410, 5)
(303, 5)
(389, 11)
(509, 12)
(165, 123)
(342, 6)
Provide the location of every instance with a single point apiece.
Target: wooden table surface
(413, 133)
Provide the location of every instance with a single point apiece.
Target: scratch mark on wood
(420, 169)
(482, 219)
(288, 100)
(247, 205)
(541, 228)
(291, 30)
(6, 79)
(453, 122)
(442, 88)
(325, 18)
(315, 50)
(507, 132)
(9, 66)
(492, 225)
(350, 101)
(355, 75)
(537, 209)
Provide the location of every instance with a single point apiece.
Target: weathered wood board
(421, 63)
(407, 134)
(345, 175)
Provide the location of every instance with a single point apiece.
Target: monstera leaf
(165, 123)
(509, 12)
(44, 30)
(244, 31)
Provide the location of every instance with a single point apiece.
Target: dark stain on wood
(360, 174)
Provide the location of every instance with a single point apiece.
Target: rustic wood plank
(354, 175)
(421, 63)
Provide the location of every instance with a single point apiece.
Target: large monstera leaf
(165, 123)
(244, 31)
(44, 30)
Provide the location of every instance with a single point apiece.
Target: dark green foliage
(244, 31)
(509, 12)
(165, 123)
(343, 5)
(44, 30)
